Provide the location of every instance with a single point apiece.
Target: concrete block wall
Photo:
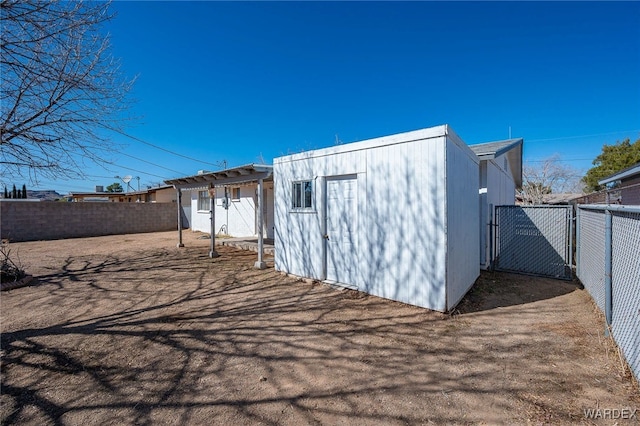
(31, 221)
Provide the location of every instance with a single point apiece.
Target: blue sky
(237, 82)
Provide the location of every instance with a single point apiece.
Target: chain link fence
(534, 240)
(590, 253)
(608, 265)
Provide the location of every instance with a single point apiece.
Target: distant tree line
(612, 159)
(552, 177)
(16, 193)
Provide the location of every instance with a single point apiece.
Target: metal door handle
(325, 236)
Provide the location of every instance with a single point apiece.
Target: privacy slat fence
(608, 265)
(534, 240)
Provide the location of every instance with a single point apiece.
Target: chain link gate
(534, 240)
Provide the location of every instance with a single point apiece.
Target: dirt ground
(131, 330)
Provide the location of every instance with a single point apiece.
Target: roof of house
(511, 147)
(397, 138)
(557, 198)
(490, 150)
(247, 173)
(94, 194)
(119, 194)
(622, 174)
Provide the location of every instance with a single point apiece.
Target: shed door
(341, 217)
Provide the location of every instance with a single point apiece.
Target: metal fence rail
(608, 264)
(534, 240)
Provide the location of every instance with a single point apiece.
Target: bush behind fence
(611, 258)
(30, 221)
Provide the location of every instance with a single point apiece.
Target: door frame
(325, 217)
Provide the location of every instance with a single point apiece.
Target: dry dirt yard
(131, 330)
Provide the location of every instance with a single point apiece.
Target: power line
(582, 136)
(141, 172)
(568, 160)
(165, 150)
(135, 170)
(153, 164)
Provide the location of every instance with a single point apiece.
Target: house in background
(235, 200)
(235, 210)
(500, 175)
(396, 216)
(627, 186)
(553, 199)
(159, 194)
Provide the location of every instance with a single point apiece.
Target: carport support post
(179, 218)
(212, 219)
(260, 263)
(608, 302)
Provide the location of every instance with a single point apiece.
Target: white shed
(500, 175)
(396, 216)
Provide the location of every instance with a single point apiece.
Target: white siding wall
(462, 232)
(401, 241)
(500, 190)
(404, 223)
(298, 235)
(199, 219)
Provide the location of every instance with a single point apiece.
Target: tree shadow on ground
(168, 336)
(501, 289)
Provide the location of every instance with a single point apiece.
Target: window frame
(204, 200)
(233, 195)
(300, 200)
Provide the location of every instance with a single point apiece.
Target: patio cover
(210, 180)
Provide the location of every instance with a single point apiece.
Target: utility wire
(139, 171)
(153, 164)
(164, 149)
(560, 160)
(582, 136)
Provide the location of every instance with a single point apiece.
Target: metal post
(608, 305)
(570, 257)
(212, 217)
(179, 218)
(492, 255)
(260, 263)
(578, 262)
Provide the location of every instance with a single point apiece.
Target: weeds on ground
(11, 269)
(614, 353)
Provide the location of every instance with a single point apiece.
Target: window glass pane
(302, 195)
(307, 194)
(203, 200)
(296, 196)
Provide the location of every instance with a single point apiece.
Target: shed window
(235, 194)
(203, 201)
(302, 195)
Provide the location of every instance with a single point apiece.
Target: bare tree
(548, 177)
(61, 88)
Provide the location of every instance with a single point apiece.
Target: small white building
(396, 216)
(235, 200)
(500, 176)
(235, 210)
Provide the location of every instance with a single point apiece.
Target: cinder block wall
(31, 221)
